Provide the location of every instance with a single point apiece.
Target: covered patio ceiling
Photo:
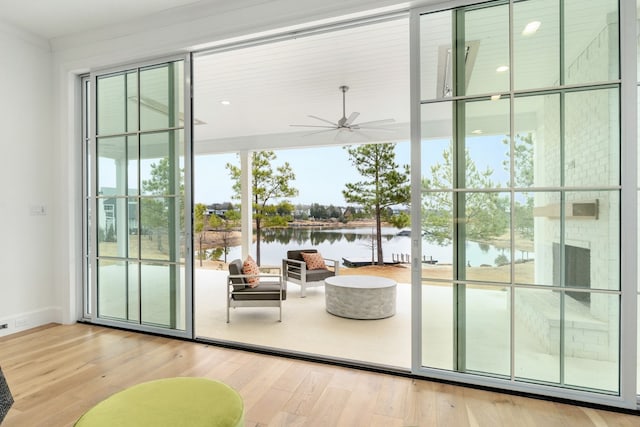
(248, 98)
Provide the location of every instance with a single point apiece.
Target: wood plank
(56, 373)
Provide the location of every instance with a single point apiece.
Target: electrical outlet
(21, 323)
(4, 326)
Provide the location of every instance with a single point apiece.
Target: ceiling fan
(347, 123)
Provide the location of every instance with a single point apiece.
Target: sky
(321, 173)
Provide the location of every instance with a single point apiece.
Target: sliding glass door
(139, 209)
(520, 148)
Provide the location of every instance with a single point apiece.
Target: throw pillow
(314, 261)
(249, 267)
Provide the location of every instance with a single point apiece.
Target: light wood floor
(58, 372)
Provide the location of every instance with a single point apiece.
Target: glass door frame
(187, 304)
(628, 222)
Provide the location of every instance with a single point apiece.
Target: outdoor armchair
(296, 270)
(270, 291)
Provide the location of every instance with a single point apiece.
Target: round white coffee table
(360, 297)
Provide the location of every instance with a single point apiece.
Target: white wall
(27, 287)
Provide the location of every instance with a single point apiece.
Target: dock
(395, 260)
(361, 262)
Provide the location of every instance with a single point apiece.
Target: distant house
(108, 211)
(218, 209)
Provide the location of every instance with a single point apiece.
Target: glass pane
(132, 101)
(133, 188)
(437, 325)
(592, 243)
(158, 215)
(112, 170)
(591, 342)
(590, 41)
(486, 62)
(537, 227)
(436, 60)
(437, 234)
(536, 44)
(436, 149)
(163, 295)
(486, 162)
(531, 228)
(133, 228)
(486, 329)
(592, 138)
(117, 290)
(537, 141)
(133, 301)
(484, 232)
(111, 108)
(161, 96)
(112, 227)
(537, 335)
(162, 163)
(524, 230)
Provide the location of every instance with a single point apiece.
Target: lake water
(356, 243)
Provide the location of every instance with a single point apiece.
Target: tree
(485, 213)
(318, 211)
(523, 177)
(386, 185)
(267, 184)
(224, 228)
(199, 220)
(155, 211)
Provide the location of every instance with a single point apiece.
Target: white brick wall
(591, 159)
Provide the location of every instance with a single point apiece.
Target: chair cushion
(273, 290)
(297, 254)
(249, 267)
(317, 275)
(235, 269)
(314, 260)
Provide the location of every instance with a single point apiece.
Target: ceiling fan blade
(374, 128)
(377, 122)
(320, 131)
(313, 126)
(323, 120)
(351, 118)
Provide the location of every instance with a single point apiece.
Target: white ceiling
(274, 85)
(56, 18)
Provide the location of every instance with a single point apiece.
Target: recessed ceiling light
(476, 131)
(495, 97)
(225, 102)
(502, 69)
(531, 28)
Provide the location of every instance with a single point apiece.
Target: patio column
(246, 213)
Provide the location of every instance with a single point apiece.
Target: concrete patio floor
(308, 328)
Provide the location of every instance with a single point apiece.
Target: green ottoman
(192, 402)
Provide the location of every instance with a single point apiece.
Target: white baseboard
(27, 320)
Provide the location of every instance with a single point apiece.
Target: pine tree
(386, 185)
